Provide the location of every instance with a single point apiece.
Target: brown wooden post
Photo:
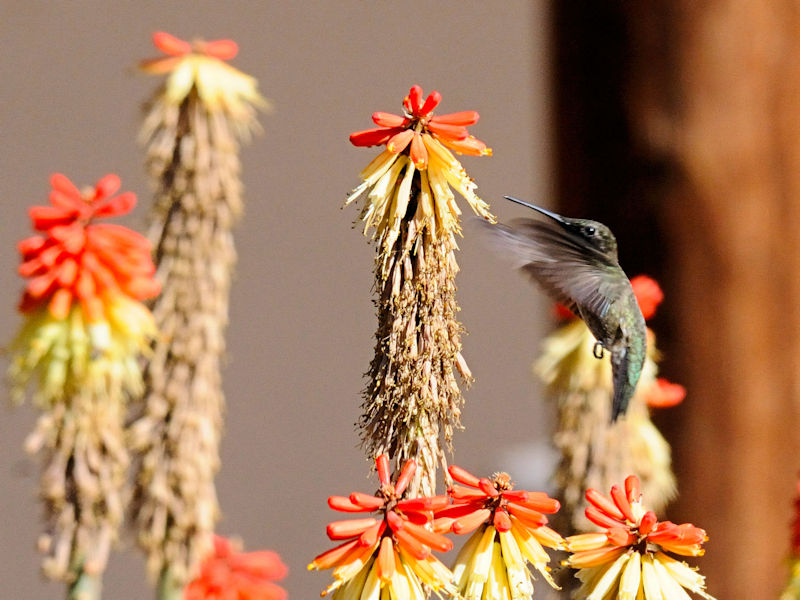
(710, 94)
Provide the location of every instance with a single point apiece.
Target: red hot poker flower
(392, 547)
(662, 393)
(629, 556)
(510, 530)
(418, 127)
(230, 575)
(80, 260)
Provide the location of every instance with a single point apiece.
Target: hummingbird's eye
(589, 230)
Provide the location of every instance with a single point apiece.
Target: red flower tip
(648, 294)
(173, 46)
(230, 574)
(627, 525)
(663, 394)
(795, 534)
(398, 520)
(492, 500)
(412, 131)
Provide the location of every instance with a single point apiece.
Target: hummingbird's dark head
(594, 234)
(590, 233)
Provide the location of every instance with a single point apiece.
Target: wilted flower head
(418, 158)
(86, 279)
(391, 551)
(510, 529)
(201, 65)
(230, 575)
(630, 559)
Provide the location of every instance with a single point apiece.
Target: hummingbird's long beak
(544, 211)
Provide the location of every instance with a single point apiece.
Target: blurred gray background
(302, 319)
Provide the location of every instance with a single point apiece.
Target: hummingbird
(575, 261)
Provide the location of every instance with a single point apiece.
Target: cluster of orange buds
(629, 557)
(227, 575)
(418, 145)
(510, 530)
(82, 300)
(392, 550)
(418, 127)
(80, 260)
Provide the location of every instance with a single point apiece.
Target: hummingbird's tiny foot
(598, 350)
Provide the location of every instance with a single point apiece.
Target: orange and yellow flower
(629, 559)
(510, 530)
(85, 323)
(418, 157)
(390, 552)
(200, 65)
(230, 575)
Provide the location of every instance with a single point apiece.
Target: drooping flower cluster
(595, 452)
(227, 574)
(412, 398)
(85, 329)
(510, 530)
(390, 552)
(631, 558)
(192, 132)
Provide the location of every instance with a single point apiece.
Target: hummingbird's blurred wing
(569, 271)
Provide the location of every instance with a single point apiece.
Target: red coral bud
(463, 476)
(221, 49)
(603, 503)
(382, 466)
(431, 103)
(472, 521)
(405, 476)
(341, 530)
(367, 501)
(502, 522)
(171, 45)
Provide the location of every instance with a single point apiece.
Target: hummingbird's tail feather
(623, 388)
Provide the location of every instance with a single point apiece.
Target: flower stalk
(192, 131)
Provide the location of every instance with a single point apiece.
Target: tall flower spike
(510, 530)
(192, 132)
(412, 397)
(594, 452)
(227, 574)
(388, 555)
(630, 558)
(79, 347)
